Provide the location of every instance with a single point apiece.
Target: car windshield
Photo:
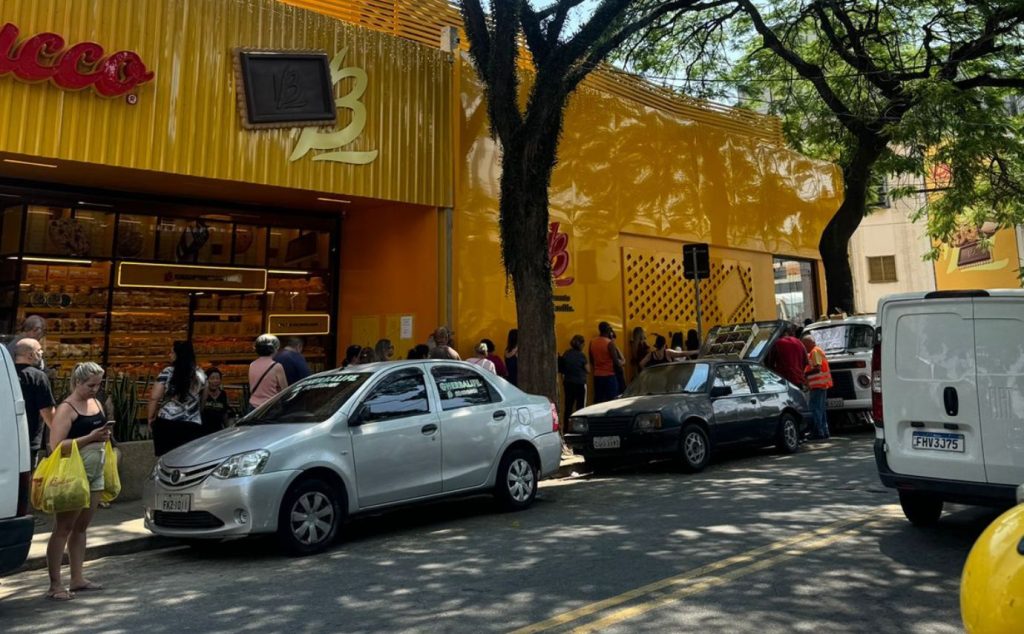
(674, 378)
(844, 337)
(311, 400)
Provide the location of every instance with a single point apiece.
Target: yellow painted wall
(186, 120)
(964, 265)
(630, 176)
(389, 265)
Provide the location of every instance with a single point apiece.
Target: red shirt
(789, 359)
(499, 365)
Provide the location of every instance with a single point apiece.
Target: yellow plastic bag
(60, 484)
(111, 479)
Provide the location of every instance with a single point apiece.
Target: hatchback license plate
(607, 442)
(175, 503)
(938, 441)
(834, 402)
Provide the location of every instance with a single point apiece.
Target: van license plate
(937, 441)
(607, 442)
(175, 503)
(834, 402)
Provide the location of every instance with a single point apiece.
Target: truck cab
(848, 343)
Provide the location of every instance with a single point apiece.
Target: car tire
(516, 484)
(787, 437)
(310, 518)
(694, 449)
(922, 510)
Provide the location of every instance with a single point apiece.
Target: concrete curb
(135, 544)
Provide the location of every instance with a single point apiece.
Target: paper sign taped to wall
(406, 327)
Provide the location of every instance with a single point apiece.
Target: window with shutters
(882, 269)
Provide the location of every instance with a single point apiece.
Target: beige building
(886, 252)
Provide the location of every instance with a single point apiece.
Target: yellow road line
(642, 608)
(752, 555)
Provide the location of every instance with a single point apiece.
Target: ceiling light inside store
(30, 163)
(29, 258)
(85, 202)
(334, 200)
(284, 272)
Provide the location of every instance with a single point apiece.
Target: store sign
(284, 89)
(313, 139)
(299, 324)
(558, 251)
(192, 278)
(44, 57)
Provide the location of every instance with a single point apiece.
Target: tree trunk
(835, 240)
(526, 173)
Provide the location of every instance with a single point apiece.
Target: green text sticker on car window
(329, 381)
(461, 387)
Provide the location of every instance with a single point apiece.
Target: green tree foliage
(879, 87)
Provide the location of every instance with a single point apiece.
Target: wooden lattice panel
(658, 299)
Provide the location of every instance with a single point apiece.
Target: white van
(848, 343)
(16, 525)
(948, 383)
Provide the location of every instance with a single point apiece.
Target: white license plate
(175, 503)
(607, 442)
(938, 441)
(834, 402)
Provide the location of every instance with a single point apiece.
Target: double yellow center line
(703, 578)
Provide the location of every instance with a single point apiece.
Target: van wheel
(694, 449)
(516, 486)
(787, 438)
(920, 509)
(311, 514)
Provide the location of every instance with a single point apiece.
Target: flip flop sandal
(89, 587)
(60, 595)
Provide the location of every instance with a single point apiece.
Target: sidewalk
(119, 529)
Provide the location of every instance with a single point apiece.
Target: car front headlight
(579, 425)
(242, 465)
(155, 473)
(647, 422)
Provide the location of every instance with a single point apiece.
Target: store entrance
(118, 280)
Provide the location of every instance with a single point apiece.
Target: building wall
(890, 232)
(634, 184)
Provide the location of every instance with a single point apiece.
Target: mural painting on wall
(659, 299)
(314, 139)
(979, 257)
(558, 251)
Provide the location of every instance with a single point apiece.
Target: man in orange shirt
(605, 358)
(819, 380)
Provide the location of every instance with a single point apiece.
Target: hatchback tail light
(554, 416)
(876, 384)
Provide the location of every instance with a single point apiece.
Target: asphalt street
(758, 543)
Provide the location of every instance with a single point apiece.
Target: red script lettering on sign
(43, 57)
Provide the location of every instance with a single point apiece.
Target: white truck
(16, 524)
(847, 342)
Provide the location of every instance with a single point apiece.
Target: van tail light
(554, 416)
(24, 487)
(876, 384)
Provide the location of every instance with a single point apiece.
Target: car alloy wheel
(695, 448)
(312, 517)
(788, 438)
(520, 480)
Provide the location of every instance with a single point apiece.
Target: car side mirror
(719, 391)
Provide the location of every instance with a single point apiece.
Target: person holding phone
(80, 418)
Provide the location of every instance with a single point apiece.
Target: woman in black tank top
(660, 354)
(80, 418)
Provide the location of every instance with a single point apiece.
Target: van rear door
(999, 334)
(930, 397)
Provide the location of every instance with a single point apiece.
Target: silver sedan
(349, 441)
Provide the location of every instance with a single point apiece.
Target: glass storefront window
(250, 245)
(10, 230)
(796, 296)
(297, 248)
(136, 237)
(63, 232)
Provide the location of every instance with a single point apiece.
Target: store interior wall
(389, 270)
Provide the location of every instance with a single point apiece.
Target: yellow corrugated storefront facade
(401, 194)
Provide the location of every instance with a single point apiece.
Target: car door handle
(429, 429)
(951, 401)
(753, 401)
(499, 415)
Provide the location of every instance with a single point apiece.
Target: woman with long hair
(638, 348)
(661, 353)
(384, 350)
(79, 418)
(175, 409)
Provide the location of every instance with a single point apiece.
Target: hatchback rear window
(311, 400)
